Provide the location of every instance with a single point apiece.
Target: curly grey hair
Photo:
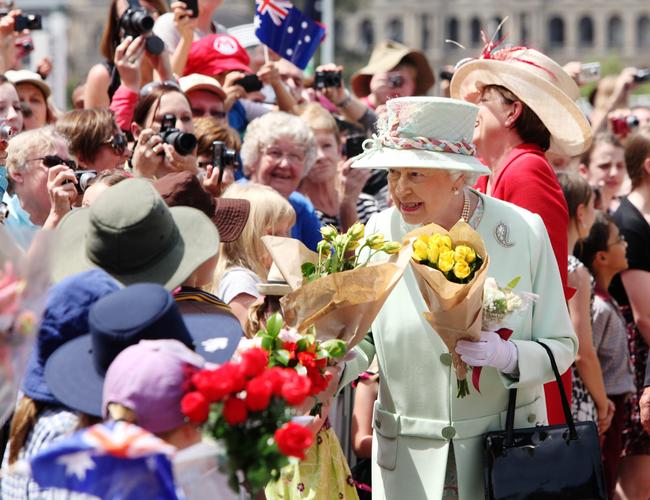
(32, 144)
(267, 129)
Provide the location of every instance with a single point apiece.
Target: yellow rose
(465, 254)
(391, 247)
(446, 261)
(442, 240)
(356, 231)
(462, 269)
(328, 232)
(352, 245)
(419, 250)
(323, 248)
(433, 252)
(375, 241)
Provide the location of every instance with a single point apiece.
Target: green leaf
(302, 345)
(274, 324)
(308, 269)
(513, 283)
(267, 343)
(282, 356)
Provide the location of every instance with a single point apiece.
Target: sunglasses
(118, 143)
(164, 84)
(53, 160)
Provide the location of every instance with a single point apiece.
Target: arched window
(585, 32)
(452, 32)
(615, 32)
(643, 32)
(475, 32)
(366, 35)
(425, 32)
(556, 32)
(395, 30)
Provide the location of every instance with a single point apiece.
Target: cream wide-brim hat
(540, 83)
(412, 124)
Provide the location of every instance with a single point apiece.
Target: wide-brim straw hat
(130, 233)
(385, 57)
(424, 132)
(539, 82)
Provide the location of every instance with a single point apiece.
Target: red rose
(319, 381)
(258, 393)
(204, 381)
(234, 411)
(296, 389)
(277, 375)
(230, 374)
(293, 440)
(195, 407)
(217, 384)
(321, 363)
(254, 361)
(307, 359)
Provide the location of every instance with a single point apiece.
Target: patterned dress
(323, 475)
(583, 407)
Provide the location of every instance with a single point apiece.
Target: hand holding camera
(63, 192)
(135, 22)
(328, 81)
(223, 159)
(128, 57)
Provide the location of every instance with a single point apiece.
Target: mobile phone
(353, 146)
(250, 83)
(642, 75)
(193, 5)
(589, 72)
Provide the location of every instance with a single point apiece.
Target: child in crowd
(243, 261)
(603, 252)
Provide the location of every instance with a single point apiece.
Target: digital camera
(183, 142)
(325, 79)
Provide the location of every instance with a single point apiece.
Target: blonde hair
(268, 209)
(320, 120)
(32, 144)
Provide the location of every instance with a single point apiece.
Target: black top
(636, 231)
(115, 78)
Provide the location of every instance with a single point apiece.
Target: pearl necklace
(466, 206)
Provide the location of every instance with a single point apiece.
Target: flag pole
(327, 51)
(266, 54)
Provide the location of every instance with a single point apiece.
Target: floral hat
(424, 132)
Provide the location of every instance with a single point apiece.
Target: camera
(642, 75)
(6, 132)
(327, 79)
(25, 21)
(250, 83)
(589, 72)
(84, 178)
(623, 126)
(395, 81)
(183, 142)
(446, 74)
(222, 156)
(136, 21)
(353, 146)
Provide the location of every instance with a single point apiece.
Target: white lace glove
(491, 350)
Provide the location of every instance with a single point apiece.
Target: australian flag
(114, 460)
(287, 31)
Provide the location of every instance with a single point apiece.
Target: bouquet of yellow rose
(451, 268)
(337, 290)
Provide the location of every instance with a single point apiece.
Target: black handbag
(559, 462)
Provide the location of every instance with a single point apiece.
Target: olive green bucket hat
(130, 233)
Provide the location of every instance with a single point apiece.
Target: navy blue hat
(145, 311)
(65, 318)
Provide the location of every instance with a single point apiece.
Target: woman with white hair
(278, 151)
(428, 443)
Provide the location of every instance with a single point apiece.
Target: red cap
(215, 54)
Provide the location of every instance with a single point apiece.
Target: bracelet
(344, 102)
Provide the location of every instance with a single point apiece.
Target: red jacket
(528, 181)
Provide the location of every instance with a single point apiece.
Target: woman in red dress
(527, 107)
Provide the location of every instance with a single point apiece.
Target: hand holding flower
(491, 350)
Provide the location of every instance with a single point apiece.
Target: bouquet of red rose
(302, 352)
(247, 405)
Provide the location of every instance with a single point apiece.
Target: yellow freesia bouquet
(451, 268)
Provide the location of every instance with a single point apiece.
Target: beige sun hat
(25, 76)
(385, 56)
(196, 81)
(275, 283)
(424, 132)
(539, 82)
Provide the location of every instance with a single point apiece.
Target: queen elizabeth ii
(427, 442)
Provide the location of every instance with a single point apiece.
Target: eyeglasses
(118, 143)
(292, 156)
(164, 84)
(620, 239)
(199, 113)
(53, 160)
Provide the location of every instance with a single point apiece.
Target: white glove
(491, 350)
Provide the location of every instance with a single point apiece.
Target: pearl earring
(455, 191)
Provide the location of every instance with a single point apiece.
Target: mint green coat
(417, 411)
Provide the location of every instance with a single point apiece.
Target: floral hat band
(395, 141)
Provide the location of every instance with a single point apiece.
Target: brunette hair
(637, 151)
(152, 98)
(208, 129)
(529, 127)
(87, 130)
(600, 138)
(22, 423)
(259, 312)
(576, 189)
(596, 241)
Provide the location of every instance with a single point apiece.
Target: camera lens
(183, 142)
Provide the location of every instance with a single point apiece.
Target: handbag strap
(512, 403)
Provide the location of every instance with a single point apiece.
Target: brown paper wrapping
(340, 306)
(455, 310)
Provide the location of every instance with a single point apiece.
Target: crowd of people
(161, 182)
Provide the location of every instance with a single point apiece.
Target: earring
(455, 191)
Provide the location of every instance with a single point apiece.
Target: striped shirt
(366, 206)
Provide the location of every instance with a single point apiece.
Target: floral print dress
(323, 475)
